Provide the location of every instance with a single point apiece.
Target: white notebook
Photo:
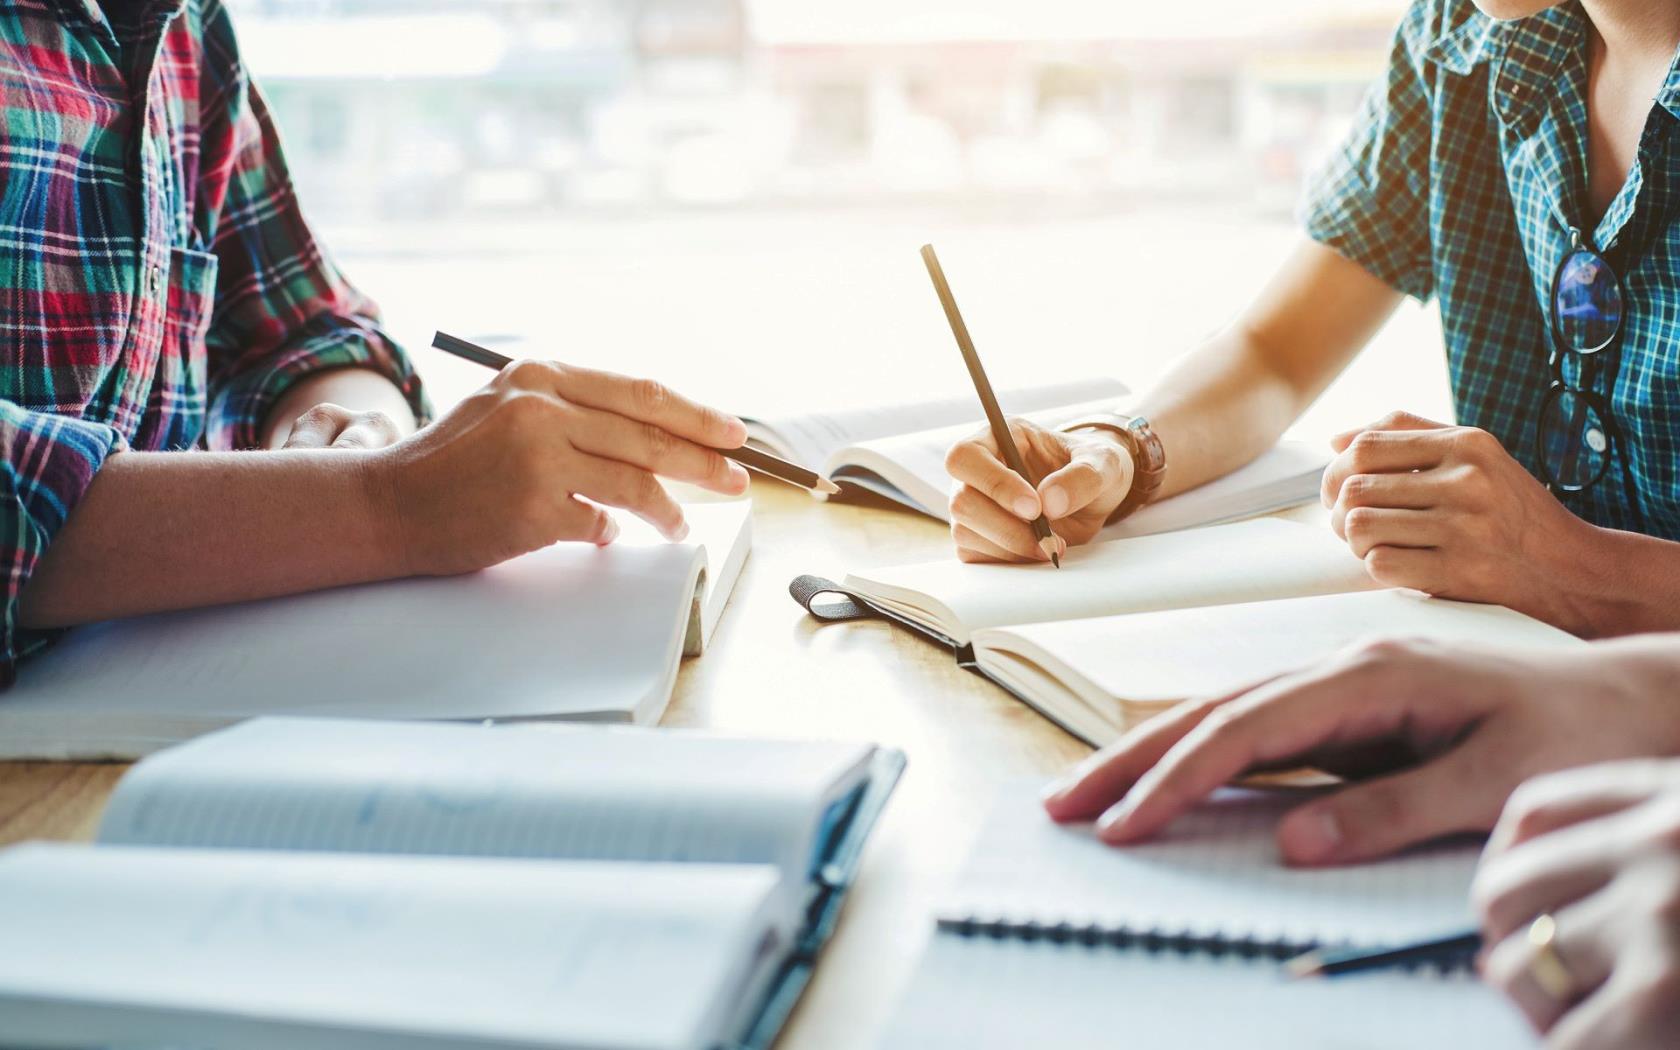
(1051, 938)
(1127, 628)
(144, 947)
(569, 632)
(340, 883)
(898, 452)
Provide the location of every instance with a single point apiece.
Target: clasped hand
(1446, 510)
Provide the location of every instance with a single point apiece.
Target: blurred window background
(671, 185)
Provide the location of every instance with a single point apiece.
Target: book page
(1287, 475)
(134, 946)
(812, 438)
(981, 994)
(570, 631)
(910, 468)
(1214, 871)
(723, 530)
(1248, 561)
(517, 791)
(1185, 653)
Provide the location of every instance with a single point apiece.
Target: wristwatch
(1148, 457)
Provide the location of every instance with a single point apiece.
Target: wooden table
(772, 671)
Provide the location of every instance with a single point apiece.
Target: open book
(1127, 628)
(571, 631)
(337, 883)
(898, 452)
(1050, 938)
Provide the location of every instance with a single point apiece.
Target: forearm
(1612, 583)
(172, 530)
(1230, 400)
(358, 389)
(1220, 407)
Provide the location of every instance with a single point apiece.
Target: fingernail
(680, 533)
(1109, 824)
(1026, 508)
(1310, 836)
(1053, 791)
(1055, 503)
(609, 533)
(739, 475)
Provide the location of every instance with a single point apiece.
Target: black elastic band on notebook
(843, 607)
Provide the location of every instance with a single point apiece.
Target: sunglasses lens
(1588, 305)
(1574, 444)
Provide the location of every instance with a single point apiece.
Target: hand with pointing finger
(1432, 738)
(537, 455)
(1085, 477)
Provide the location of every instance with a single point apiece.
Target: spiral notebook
(1050, 937)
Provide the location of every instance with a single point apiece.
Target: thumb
(1374, 819)
(1392, 421)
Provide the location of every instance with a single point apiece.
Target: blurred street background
(730, 193)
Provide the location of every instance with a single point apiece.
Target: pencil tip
(827, 486)
(1056, 560)
(1304, 966)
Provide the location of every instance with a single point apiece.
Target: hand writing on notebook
(1446, 510)
(1597, 849)
(503, 473)
(1434, 738)
(1085, 476)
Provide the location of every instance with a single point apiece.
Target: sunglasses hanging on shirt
(1577, 433)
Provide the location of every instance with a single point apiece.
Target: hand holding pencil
(1026, 492)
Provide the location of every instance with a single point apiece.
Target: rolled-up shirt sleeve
(1369, 201)
(48, 462)
(283, 310)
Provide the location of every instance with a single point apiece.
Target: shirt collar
(1529, 55)
(1668, 96)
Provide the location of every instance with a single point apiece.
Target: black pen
(751, 458)
(1448, 953)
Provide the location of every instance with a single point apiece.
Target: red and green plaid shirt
(159, 287)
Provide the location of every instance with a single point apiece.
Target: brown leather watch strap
(1149, 459)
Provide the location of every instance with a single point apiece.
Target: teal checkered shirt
(1464, 172)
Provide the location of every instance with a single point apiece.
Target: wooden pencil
(751, 458)
(988, 400)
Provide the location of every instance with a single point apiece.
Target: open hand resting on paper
(512, 468)
(1433, 738)
(1085, 476)
(1598, 850)
(1446, 510)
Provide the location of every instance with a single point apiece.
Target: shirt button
(154, 278)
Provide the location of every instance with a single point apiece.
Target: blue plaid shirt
(1461, 179)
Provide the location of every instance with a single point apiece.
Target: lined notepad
(1050, 938)
(1213, 876)
(981, 994)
